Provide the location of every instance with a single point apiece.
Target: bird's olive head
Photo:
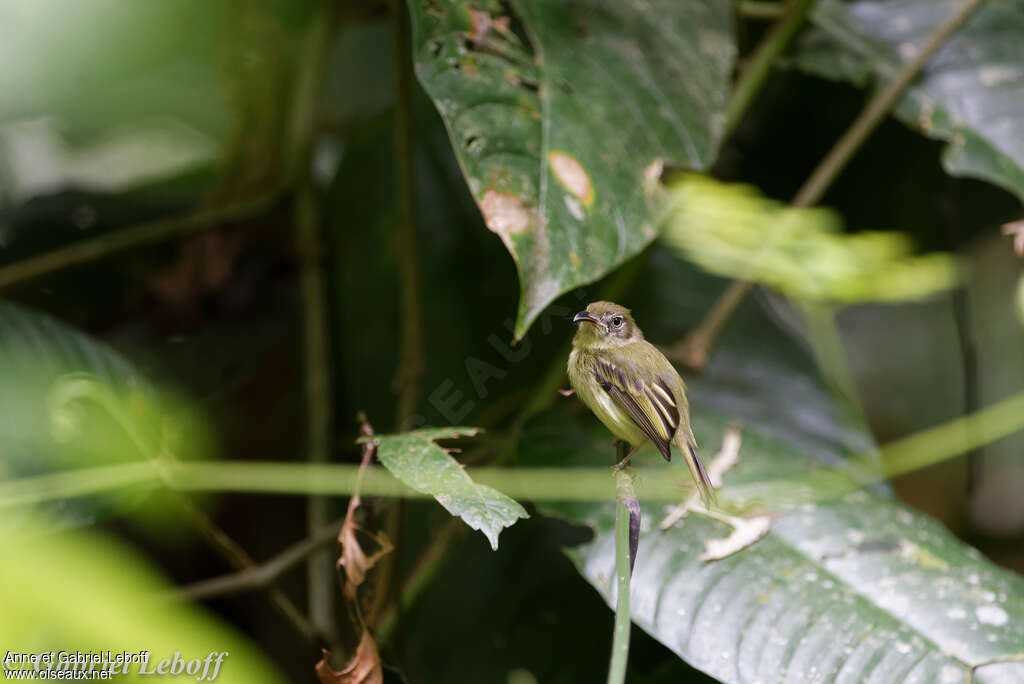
(604, 324)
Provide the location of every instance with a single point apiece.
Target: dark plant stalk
(321, 577)
(85, 251)
(409, 372)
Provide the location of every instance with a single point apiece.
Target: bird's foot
(625, 461)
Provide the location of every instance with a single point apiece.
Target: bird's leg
(624, 447)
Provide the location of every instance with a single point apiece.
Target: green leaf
(71, 402)
(562, 115)
(847, 584)
(969, 93)
(416, 459)
(853, 586)
(732, 230)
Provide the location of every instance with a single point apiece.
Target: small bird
(632, 388)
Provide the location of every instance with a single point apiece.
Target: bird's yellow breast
(613, 416)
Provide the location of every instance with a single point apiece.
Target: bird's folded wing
(645, 396)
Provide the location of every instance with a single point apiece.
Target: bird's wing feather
(644, 395)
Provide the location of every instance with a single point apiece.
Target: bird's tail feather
(699, 473)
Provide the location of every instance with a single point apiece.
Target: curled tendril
(66, 405)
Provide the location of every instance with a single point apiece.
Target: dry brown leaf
(363, 668)
(1016, 229)
(355, 561)
(353, 558)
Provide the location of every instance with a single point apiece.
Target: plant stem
(410, 367)
(623, 571)
(84, 251)
(424, 572)
(760, 62)
(919, 450)
(411, 362)
(694, 349)
(761, 9)
(321, 575)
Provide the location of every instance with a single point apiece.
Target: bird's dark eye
(617, 321)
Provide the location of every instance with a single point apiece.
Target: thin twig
(410, 367)
(85, 251)
(238, 558)
(760, 63)
(263, 575)
(694, 349)
(318, 405)
(411, 362)
(429, 564)
(302, 125)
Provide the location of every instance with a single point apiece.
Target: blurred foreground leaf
(416, 459)
(969, 93)
(561, 116)
(69, 402)
(733, 231)
(83, 591)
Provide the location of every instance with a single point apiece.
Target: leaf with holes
(417, 460)
(970, 91)
(562, 114)
(847, 585)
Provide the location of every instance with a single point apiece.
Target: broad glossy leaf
(561, 115)
(844, 587)
(417, 460)
(856, 589)
(970, 92)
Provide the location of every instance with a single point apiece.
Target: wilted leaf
(733, 231)
(415, 459)
(969, 92)
(363, 668)
(562, 114)
(356, 561)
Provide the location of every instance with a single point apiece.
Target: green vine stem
(760, 63)
(626, 511)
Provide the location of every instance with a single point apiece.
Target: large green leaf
(561, 115)
(969, 93)
(844, 587)
(416, 459)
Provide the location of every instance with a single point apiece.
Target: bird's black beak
(586, 317)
